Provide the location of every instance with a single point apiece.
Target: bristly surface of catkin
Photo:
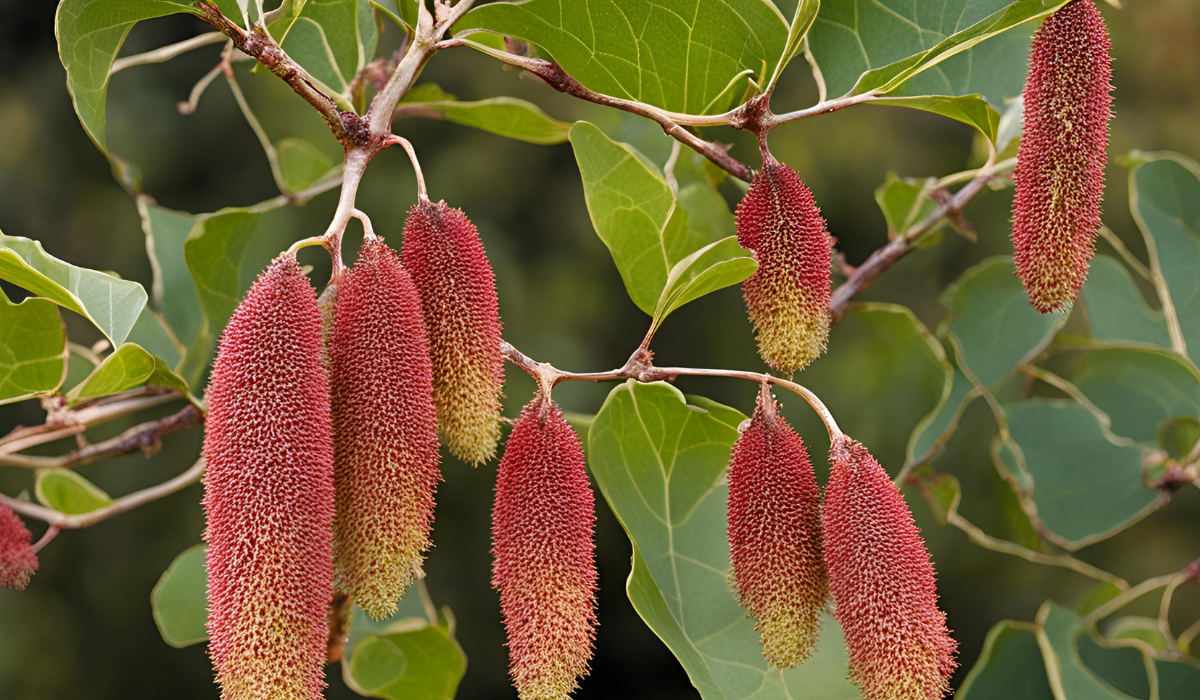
(543, 554)
(268, 494)
(1060, 162)
(18, 561)
(788, 297)
(882, 582)
(774, 528)
(445, 257)
(385, 432)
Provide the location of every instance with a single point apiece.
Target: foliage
(1094, 409)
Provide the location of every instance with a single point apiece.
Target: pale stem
(1127, 597)
(1130, 259)
(823, 107)
(76, 421)
(121, 505)
(822, 92)
(393, 139)
(259, 132)
(46, 538)
(982, 539)
(166, 53)
(1189, 635)
(193, 101)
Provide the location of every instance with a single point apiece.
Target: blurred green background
(84, 630)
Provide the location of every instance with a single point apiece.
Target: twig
(259, 132)
(771, 121)
(673, 123)
(639, 368)
(1130, 259)
(1188, 635)
(189, 106)
(73, 422)
(422, 192)
(166, 53)
(1127, 597)
(46, 538)
(144, 437)
(259, 45)
(882, 259)
(121, 505)
(1066, 561)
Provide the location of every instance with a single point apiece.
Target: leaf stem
(121, 505)
(393, 139)
(166, 53)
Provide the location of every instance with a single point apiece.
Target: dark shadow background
(84, 629)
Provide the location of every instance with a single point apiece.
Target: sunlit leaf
(504, 116)
(111, 303)
(715, 266)
(68, 492)
(971, 110)
(130, 367)
(33, 349)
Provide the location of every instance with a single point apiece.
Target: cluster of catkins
(321, 445)
(18, 560)
(790, 552)
(1060, 162)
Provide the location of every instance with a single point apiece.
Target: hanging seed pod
(775, 535)
(1060, 162)
(544, 560)
(385, 432)
(268, 493)
(788, 297)
(445, 257)
(883, 587)
(18, 561)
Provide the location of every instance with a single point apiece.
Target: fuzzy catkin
(543, 555)
(18, 561)
(788, 297)
(445, 257)
(385, 432)
(268, 494)
(882, 582)
(1060, 162)
(774, 530)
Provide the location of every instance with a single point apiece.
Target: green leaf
(33, 349)
(682, 55)
(904, 202)
(130, 367)
(934, 431)
(1057, 638)
(635, 213)
(1164, 197)
(1138, 387)
(802, 21)
(214, 251)
(173, 292)
(111, 303)
(179, 599)
(301, 163)
(504, 116)
(660, 461)
(68, 492)
(1010, 666)
(1144, 629)
(971, 110)
(152, 334)
(1116, 309)
(1177, 680)
(331, 39)
(90, 32)
(425, 663)
(942, 492)
(1085, 486)
(715, 266)
(863, 45)
(992, 327)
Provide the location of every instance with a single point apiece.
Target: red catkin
(268, 494)
(445, 257)
(18, 561)
(1060, 162)
(543, 554)
(788, 297)
(385, 432)
(775, 536)
(882, 582)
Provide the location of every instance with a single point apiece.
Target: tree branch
(145, 437)
(121, 505)
(259, 45)
(66, 423)
(882, 259)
